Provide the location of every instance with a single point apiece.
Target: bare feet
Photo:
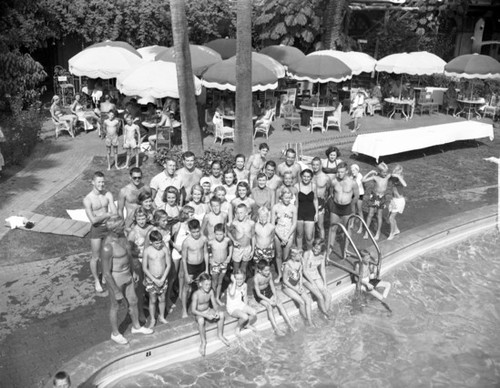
(360, 230)
(397, 231)
(203, 349)
(377, 237)
(224, 340)
(98, 287)
(237, 332)
(391, 236)
(152, 323)
(162, 320)
(365, 236)
(171, 308)
(184, 314)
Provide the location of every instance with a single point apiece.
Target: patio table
(469, 107)
(398, 106)
(306, 112)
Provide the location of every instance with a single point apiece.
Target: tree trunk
(191, 134)
(332, 22)
(244, 125)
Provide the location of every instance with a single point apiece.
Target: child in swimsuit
(357, 208)
(284, 216)
(156, 266)
(111, 126)
(225, 206)
(293, 283)
(288, 182)
(264, 293)
(398, 202)
(315, 273)
(239, 169)
(237, 303)
(219, 256)
(369, 279)
(131, 132)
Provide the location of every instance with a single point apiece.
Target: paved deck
(48, 310)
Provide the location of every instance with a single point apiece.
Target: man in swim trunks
(290, 164)
(241, 232)
(99, 206)
(377, 202)
(256, 163)
(273, 180)
(261, 194)
(344, 191)
(128, 197)
(111, 127)
(194, 260)
(188, 175)
(323, 184)
(116, 266)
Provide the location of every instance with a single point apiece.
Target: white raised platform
(394, 142)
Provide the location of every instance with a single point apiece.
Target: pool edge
(93, 367)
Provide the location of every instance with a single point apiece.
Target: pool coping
(178, 342)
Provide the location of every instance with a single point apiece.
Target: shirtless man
(128, 197)
(291, 165)
(241, 232)
(344, 191)
(111, 127)
(194, 260)
(256, 163)
(99, 206)
(239, 169)
(116, 266)
(162, 180)
(200, 307)
(377, 201)
(213, 217)
(323, 183)
(188, 175)
(273, 180)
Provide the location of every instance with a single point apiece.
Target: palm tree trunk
(244, 125)
(332, 22)
(191, 134)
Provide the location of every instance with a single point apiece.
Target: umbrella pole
(401, 87)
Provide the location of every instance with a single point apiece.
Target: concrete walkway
(48, 310)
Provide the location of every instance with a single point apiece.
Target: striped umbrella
(202, 57)
(285, 55)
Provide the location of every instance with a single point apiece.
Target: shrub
(224, 156)
(21, 133)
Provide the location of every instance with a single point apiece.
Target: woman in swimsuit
(171, 199)
(315, 273)
(243, 196)
(288, 182)
(398, 202)
(229, 184)
(307, 210)
(357, 207)
(284, 216)
(200, 208)
(331, 162)
(293, 284)
(84, 116)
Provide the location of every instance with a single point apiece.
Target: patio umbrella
(283, 54)
(414, 63)
(149, 53)
(358, 62)
(202, 57)
(222, 76)
(104, 60)
(320, 68)
(472, 66)
(225, 47)
(272, 64)
(152, 79)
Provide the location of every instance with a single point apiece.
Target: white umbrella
(358, 62)
(154, 79)
(149, 53)
(104, 60)
(414, 63)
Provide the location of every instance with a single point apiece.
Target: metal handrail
(349, 270)
(367, 229)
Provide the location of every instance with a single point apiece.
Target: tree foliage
(210, 19)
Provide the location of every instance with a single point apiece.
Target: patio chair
(491, 109)
(221, 132)
(209, 125)
(163, 137)
(291, 117)
(264, 124)
(291, 93)
(317, 120)
(61, 125)
(425, 103)
(334, 120)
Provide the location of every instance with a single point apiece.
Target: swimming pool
(443, 332)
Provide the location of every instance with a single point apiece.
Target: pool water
(444, 331)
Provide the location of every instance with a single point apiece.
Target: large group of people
(254, 219)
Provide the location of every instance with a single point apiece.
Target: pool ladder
(356, 253)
